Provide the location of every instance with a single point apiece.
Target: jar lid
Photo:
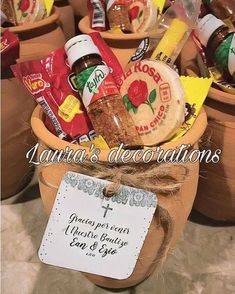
(206, 27)
(78, 47)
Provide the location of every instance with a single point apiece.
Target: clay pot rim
(222, 96)
(216, 94)
(53, 142)
(84, 26)
(40, 23)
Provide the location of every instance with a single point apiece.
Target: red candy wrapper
(97, 13)
(109, 58)
(50, 82)
(10, 48)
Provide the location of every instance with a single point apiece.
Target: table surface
(203, 261)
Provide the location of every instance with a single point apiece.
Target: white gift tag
(94, 234)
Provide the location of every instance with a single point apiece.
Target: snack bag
(50, 82)
(9, 50)
(109, 57)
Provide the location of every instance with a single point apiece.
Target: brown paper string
(165, 179)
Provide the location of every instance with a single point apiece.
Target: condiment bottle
(223, 9)
(214, 34)
(97, 13)
(100, 94)
(118, 16)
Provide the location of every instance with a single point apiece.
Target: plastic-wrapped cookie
(143, 15)
(28, 11)
(155, 99)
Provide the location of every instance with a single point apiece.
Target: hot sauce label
(149, 91)
(96, 9)
(94, 83)
(225, 54)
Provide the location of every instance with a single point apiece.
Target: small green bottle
(215, 35)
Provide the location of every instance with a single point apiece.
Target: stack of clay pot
(122, 45)
(177, 208)
(216, 192)
(36, 41)
(67, 19)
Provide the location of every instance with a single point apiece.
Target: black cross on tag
(106, 209)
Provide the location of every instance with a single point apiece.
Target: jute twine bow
(165, 179)
(162, 179)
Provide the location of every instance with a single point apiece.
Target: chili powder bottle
(99, 93)
(219, 41)
(223, 9)
(118, 17)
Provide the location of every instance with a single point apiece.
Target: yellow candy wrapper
(116, 31)
(48, 5)
(160, 5)
(196, 90)
(99, 143)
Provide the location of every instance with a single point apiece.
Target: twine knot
(113, 188)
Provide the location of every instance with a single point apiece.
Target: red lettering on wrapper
(158, 118)
(165, 92)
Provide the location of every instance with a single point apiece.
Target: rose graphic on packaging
(137, 94)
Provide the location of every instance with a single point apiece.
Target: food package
(143, 15)
(28, 11)
(109, 58)
(50, 82)
(10, 47)
(154, 97)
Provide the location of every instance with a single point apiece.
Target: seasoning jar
(99, 93)
(219, 41)
(223, 9)
(118, 17)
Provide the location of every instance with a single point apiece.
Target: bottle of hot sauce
(117, 12)
(99, 93)
(223, 9)
(219, 41)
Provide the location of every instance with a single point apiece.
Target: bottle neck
(218, 36)
(87, 61)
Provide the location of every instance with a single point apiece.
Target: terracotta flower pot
(216, 192)
(66, 18)
(123, 45)
(177, 208)
(40, 38)
(79, 7)
(36, 40)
